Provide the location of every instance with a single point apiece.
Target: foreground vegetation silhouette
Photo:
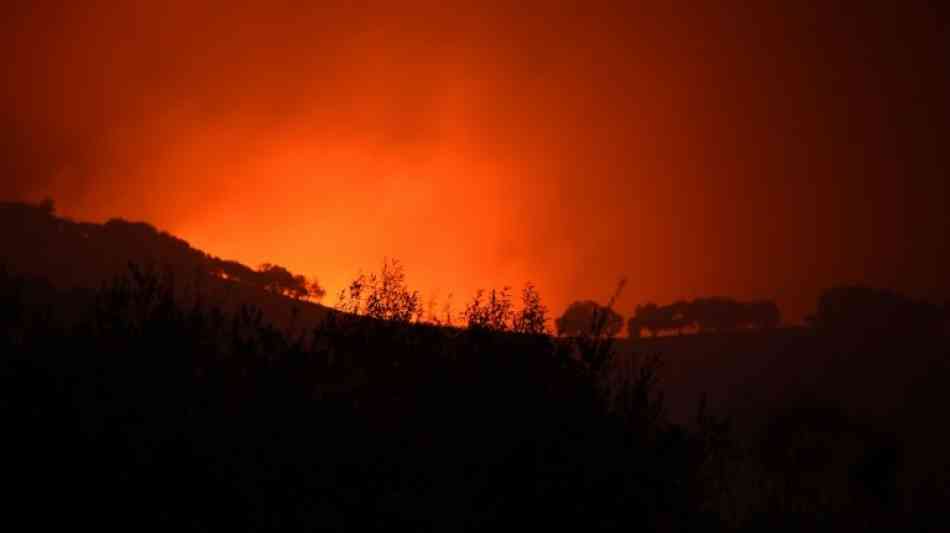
(175, 414)
(150, 403)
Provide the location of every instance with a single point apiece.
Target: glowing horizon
(491, 147)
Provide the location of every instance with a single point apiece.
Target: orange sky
(697, 151)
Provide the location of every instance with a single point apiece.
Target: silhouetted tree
(385, 296)
(717, 313)
(656, 319)
(494, 313)
(279, 280)
(643, 318)
(678, 317)
(232, 270)
(583, 317)
(389, 297)
(350, 298)
(532, 319)
(315, 291)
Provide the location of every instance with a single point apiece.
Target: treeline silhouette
(715, 314)
(183, 415)
(855, 308)
(155, 410)
(72, 254)
(869, 310)
(157, 399)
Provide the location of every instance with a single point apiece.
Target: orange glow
(697, 152)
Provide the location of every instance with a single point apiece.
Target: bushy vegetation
(182, 415)
(157, 399)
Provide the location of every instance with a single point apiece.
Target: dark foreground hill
(158, 406)
(152, 413)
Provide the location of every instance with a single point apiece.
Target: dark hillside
(893, 382)
(740, 372)
(178, 394)
(79, 256)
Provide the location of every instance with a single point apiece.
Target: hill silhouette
(159, 389)
(81, 256)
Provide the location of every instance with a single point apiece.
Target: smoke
(701, 151)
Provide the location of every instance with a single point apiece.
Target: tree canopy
(704, 314)
(581, 318)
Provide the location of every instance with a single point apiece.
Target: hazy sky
(763, 153)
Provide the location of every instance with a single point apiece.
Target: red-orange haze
(757, 153)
